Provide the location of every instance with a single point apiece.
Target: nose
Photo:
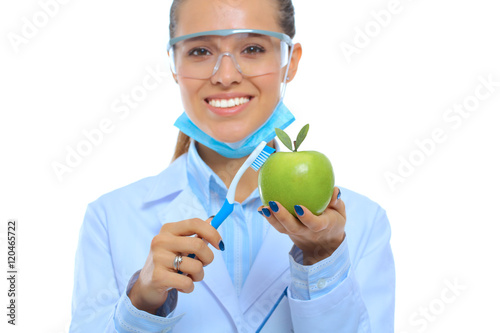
(226, 70)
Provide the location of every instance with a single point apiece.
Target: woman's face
(260, 94)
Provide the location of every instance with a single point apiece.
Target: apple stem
(295, 146)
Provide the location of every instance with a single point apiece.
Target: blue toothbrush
(255, 161)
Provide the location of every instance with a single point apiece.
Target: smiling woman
(264, 268)
(227, 69)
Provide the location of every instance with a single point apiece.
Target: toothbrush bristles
(263, 156)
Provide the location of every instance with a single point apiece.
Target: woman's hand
(158, 275)
(317, 236)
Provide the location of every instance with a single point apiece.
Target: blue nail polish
(221, 246)
(338, 195)
(273, 206)
(266, 212)
(260, 212)
(299, 210)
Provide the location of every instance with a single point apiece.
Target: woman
(262, 267)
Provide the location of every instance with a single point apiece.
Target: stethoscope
(283, 294)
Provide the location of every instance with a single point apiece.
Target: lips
(228, 104)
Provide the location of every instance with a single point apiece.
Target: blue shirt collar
(204, 183)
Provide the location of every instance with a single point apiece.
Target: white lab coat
(112, 248)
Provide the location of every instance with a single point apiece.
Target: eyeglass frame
(227, 32)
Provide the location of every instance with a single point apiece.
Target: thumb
(337, 203)
(209, 220)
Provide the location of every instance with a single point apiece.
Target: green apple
(297, 178)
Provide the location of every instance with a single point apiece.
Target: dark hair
(286, 19)
(286, 16)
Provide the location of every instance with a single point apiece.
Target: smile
(228, 103)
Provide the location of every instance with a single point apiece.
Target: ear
(174, 76)
(294, 62)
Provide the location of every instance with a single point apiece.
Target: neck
(226, 169)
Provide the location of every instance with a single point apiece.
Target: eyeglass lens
(252, 54)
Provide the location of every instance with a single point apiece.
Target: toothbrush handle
(223, 213)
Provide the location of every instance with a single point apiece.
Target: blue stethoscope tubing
(283, 294)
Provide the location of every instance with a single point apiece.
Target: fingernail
(221, 246)
(260, 212)
(338, 195)
(266, 212)
(299, 210)
(273, 206)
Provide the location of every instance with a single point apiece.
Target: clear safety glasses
(253, 52)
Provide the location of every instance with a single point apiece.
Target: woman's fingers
(311, 221)
(185, 245)
(282, 220)
(337, 203)
(334, 215)
(181, 282)
(194, 227)
(160, 273)
(188, 266)
(285, 222)
(317, 236)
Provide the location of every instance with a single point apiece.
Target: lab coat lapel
(184, 206)
(217, 277)
(268, 270)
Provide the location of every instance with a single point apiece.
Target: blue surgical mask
(281, 118)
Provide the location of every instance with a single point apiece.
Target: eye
(199, 52)
(253, 49)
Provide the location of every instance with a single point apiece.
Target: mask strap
(283, 87)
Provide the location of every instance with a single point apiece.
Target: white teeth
(228, 103)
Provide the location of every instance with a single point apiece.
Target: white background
(365, 114)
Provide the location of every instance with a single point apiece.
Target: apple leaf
(284, 138)
(301, 136)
